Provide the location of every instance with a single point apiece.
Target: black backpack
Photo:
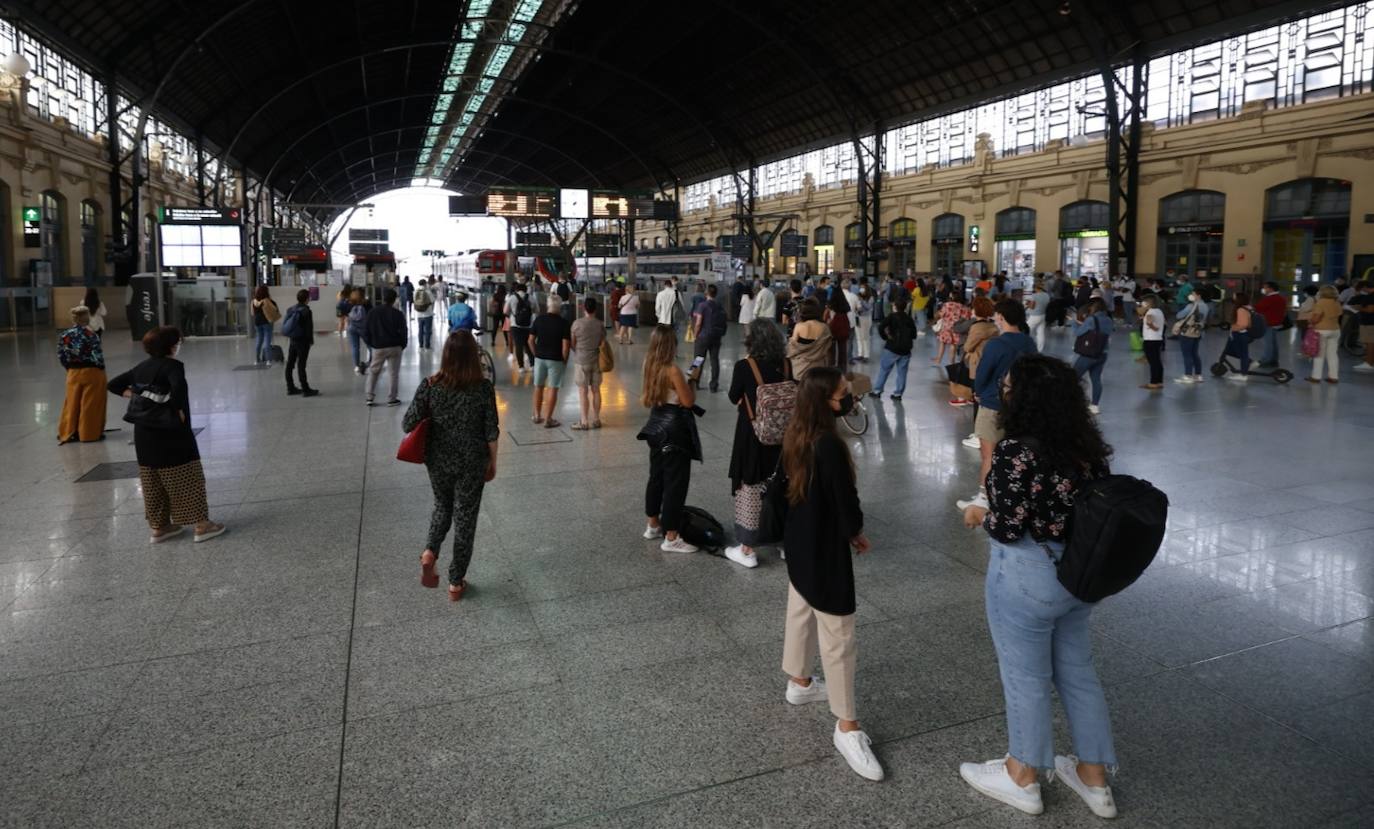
(1259, 326)
(701, 529)
(523, 312)
(1115, 530)
(1091, 343)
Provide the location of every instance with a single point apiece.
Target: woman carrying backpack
(1092, 351)
(264, 314)
(1039, 629)
(823, 531)
(1238, 341)
(751, 460)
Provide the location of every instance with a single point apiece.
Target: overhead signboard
(367, 234)
(522, 202)
(368, 248)
(467, 205)
(974, 237)
(33, 227)
(533, 238)
(284, 241)
(792, 244)
(199, 215)
(665, 211)
(740, 246)
(603, 244)
(607, 204)
(537, 250)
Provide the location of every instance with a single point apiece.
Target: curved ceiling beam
(319, 125)
(540, 48)
(290, 193)
(329, 193)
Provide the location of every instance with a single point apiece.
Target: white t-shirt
(1155, 317)
(1042, 304)
(746, 310)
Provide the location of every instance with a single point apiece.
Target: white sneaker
(972, 442)
(1099, 799)
(676, 545)
(991, 778)
(980, 500)
(801, 695)
(1092, 407)
(1187, 378)
(782, 554)
(1245, 378)
(650, 531)
(1197, 378)
(743, 559)
(854, 747)
(1364, 367)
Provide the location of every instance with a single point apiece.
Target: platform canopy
(337, 100)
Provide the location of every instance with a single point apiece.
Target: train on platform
(471, 269)
(690, 265)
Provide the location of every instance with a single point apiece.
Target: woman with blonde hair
(672, 437)
(1325, 317)
(83, 409)
(824, 523)
(460, 453)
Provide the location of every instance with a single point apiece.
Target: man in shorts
(551, 346)
(587, 335)
(998, 355)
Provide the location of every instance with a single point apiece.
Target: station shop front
(1014, 242)
(1191, 224)
(1306, 230)
(1084, 227)
(947, 245)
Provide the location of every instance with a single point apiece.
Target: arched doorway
(92, 237)
(1083, 244)
(947, 245)
(901, 235)
(853, 247)
(1015, 244)
(1190, 231)
(1306, 230)
(825, 249)
(52, 232)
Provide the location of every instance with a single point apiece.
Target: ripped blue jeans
(1043, 641)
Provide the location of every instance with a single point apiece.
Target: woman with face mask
(824, 523)
(1192, 319)
(169, 467)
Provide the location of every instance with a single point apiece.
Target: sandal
(214, 531)
(552, 424)
(596, 424)
(536, 420)
(456, 591)
(579, 427)
(428, 578)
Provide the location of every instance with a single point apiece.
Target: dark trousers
(457, 484)
(521, 338)
(669, 474)
(842, 354)
(1154, 354)
(296, 359)
(710, 347)
(427, 332)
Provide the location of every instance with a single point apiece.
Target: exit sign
(33, 222)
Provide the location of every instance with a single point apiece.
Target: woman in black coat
(750, 461)
(169, 467)
(824, 522)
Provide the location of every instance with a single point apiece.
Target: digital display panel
(572, 204)
(202, 246)
(608, 205)
(523, 202)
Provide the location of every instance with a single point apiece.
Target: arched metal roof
(341, 99)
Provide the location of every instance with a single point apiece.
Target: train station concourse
(950, 414)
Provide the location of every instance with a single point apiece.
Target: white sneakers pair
(992, 779)
(854, 746)
(669, 545)
(972, 442)
(1189, 378)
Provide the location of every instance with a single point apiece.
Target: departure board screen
(607, 205)
(522, 202)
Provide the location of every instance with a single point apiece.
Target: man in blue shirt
(998, 355)
(460, 315)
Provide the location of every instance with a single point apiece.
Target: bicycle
(488, 362)
(856, 419)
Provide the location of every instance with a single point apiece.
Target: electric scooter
(1223, 367)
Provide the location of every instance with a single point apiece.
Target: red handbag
(413, 444)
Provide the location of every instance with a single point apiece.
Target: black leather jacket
(673, 428)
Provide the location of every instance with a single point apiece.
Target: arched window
(1307, 229)
(825, 249)
(1085, 215)
(1308, 198)
(1190, 231)
(825, 235)
(947, 244)
(92, 239)
(722, 242)
(901, 235)
(1016, 223)
(53, 232)
(853, 247)
(1192, 207)
(701, 241)
(948, 227)
(1083, 238)
(1014, 240)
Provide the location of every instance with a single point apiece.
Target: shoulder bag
(151, 407)
(776, 402)
(412, 449)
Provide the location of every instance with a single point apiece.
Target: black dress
(161, 448)
(819, 562)
(750, 461)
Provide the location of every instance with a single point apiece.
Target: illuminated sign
(527, 202)
(611, 205)
(974, 237)
(1082, 234)
(33, 223)
(201, 246)
(368, 234)
(198, 215)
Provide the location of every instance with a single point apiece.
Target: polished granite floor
(293, 672)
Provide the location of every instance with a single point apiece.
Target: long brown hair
(812, 418)
(662, 352)
(461, 366)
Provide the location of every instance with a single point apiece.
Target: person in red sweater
(1273, 306)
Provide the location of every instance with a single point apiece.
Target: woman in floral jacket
(83, 409)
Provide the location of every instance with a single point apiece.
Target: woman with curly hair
(952, 312)
(1040, 631)
(751, 462)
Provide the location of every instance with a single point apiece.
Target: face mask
(846, 403)
(1193, 297)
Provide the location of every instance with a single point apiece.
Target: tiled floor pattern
(293, 673)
